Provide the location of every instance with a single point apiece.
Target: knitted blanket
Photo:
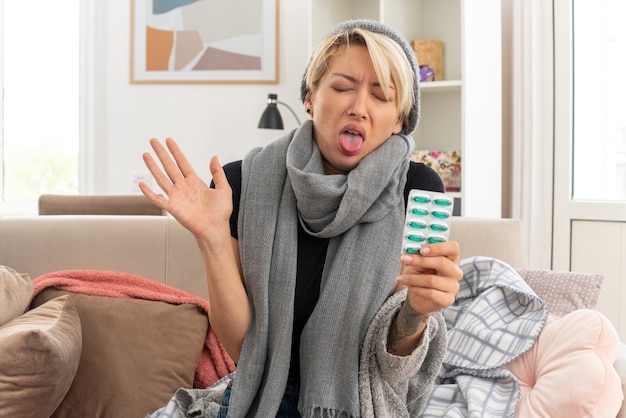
(214, 361)
(496, 317)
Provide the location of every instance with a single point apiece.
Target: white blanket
(496, 318)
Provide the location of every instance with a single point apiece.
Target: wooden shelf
(441, 86)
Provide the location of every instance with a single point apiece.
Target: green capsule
(419, 211)
(416, 238)
(442, 202)
(421, 199)
(440, 214)
(412, 250)
(417, 225)
(435, 240)
(439, 227)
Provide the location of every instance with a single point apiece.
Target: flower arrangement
(446, 163)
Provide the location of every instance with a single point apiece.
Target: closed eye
(380, 97)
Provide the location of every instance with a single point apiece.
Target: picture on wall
(204, 41)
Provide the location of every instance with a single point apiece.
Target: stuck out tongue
(350, 143)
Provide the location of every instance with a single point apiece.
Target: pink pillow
(569, 371)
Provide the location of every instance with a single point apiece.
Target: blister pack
(428, 218)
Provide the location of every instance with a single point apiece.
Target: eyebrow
(354, 80)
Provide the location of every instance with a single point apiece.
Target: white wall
(205, 119)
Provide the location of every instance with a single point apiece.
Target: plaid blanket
(496, 318)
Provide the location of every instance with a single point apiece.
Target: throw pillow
(16, 290)
(40, 354)
(564, 291)
(136, 354)
(569, 371)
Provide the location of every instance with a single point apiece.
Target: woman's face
(351, 116)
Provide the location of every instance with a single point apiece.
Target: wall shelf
(464, 110)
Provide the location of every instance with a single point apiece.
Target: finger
(441, 265)
(163, 181)
(156, 199)
(438, 289)
(449, 249)
(184, 166)
(428, 293)
(444, 267)
(217, 171)
(445, 284)
(169, 165)
(427, 300)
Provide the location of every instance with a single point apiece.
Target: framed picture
(204, 41)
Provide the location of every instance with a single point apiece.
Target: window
(599, 121)
(39, 76)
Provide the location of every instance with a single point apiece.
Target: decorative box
(430, 53)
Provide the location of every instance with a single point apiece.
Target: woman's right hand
(204, 211)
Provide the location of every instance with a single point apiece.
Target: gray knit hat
(374, 26)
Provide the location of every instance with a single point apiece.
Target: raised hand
(202, 210)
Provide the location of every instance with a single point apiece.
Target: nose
(355, 114)
(359, 106)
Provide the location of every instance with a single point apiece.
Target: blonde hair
(389, 60)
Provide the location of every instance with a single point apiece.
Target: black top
(312, 250)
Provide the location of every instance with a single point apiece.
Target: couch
(129, 354)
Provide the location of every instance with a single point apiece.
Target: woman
(301, 244)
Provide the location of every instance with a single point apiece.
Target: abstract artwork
(204, 41)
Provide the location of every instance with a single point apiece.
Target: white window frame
(87, 97)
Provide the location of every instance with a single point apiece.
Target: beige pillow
(564, 291)
(40, 354)
(16, 290)
(136, 354)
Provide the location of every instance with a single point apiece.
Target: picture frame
(204, 42)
